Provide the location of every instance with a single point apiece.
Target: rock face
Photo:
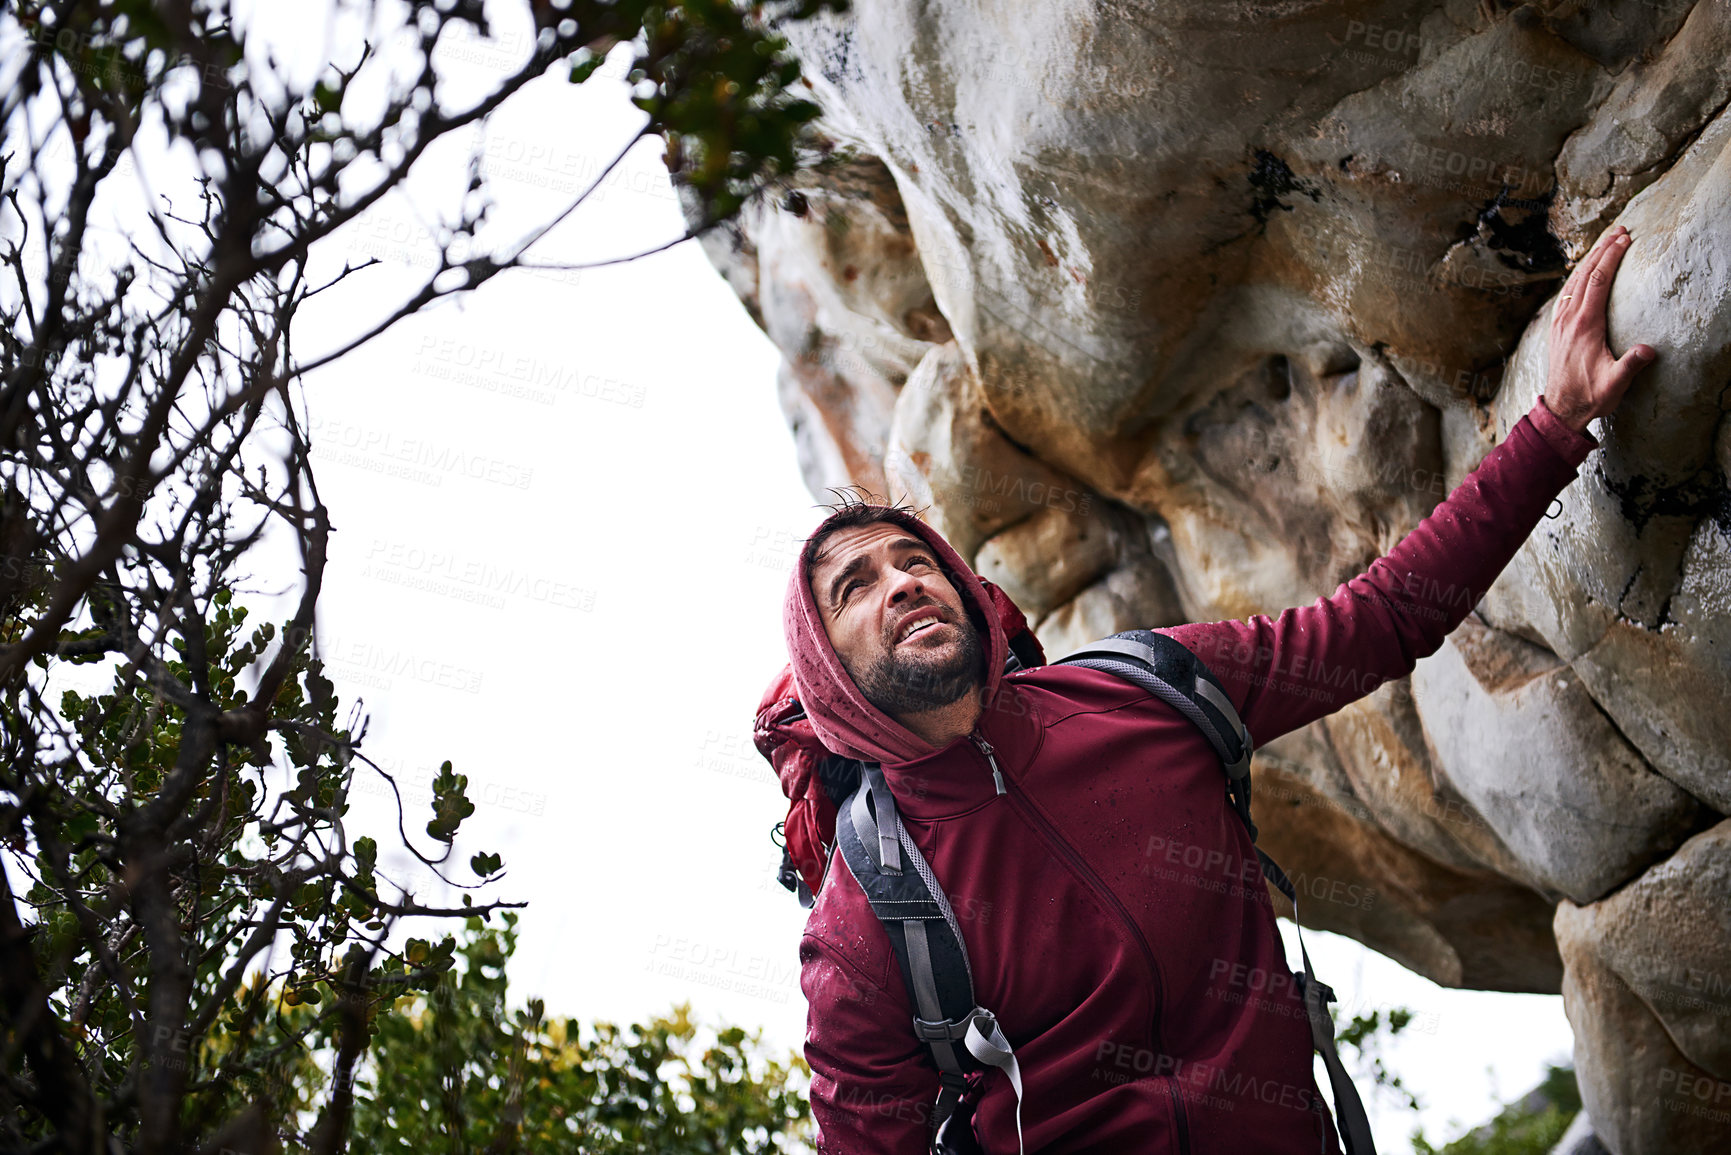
(1186, 312)
(1648, 991)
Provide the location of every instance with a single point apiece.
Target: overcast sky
(565, 512)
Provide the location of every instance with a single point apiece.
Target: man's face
(895, 620)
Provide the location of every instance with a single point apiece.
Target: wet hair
(853, 509)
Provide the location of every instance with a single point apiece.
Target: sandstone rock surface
(1184, 312)
(1648, 991)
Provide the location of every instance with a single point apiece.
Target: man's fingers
(1609, 393)
(1575, 291)
(1597, 291)
(1585, 381)
(1626, 367)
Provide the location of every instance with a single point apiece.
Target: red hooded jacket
(1114, 913)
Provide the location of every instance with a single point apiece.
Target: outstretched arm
(1285, 672)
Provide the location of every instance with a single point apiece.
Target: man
(1114, 914)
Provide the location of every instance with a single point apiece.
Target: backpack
(962, 1036)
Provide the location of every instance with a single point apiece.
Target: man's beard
(900, 683)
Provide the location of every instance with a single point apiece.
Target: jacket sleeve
(1286, 672)
(872, 1085)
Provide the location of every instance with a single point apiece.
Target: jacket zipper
(986, 749)
(1026, 808)
(1179, 1118)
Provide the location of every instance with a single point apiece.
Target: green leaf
(327, 98)
(80, 827)
(485, 865)
(450, 804)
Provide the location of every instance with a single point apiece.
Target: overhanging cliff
(1186, 312)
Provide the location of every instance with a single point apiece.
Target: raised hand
(1586, 380)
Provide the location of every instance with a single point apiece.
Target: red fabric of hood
(813, 709)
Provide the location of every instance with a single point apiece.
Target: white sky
(636, 497)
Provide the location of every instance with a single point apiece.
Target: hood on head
(843, 719)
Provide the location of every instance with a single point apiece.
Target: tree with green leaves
(1364, 1037)
(1531, 1125)
(457, 1070)
(196, 952)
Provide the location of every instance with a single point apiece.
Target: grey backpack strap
(927, 940)
(1179, 678)
(1170, 672)
(1352, 1122)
